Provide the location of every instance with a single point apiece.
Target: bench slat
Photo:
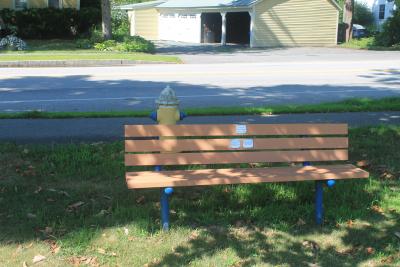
(240, 176)
(230, 130)
(224, 144)
(234, 157)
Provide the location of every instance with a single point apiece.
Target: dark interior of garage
(211, 27)
(238, 27)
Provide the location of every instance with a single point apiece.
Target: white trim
(337, 28)
(223, 28)
(252, 14)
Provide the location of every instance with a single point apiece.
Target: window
(21, 4)
(54, 3)
(381, 11)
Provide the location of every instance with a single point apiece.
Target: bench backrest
(230, 143)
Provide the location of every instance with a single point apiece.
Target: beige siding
(146, 23)
(37, 3)
(6, 3)
(295, 22)
(70, 3)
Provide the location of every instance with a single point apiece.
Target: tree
(348, 18)
(106, 19)
(362, 15)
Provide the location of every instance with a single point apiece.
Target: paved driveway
(215, 53)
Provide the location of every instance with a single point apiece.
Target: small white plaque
(241, 129)
(235, 143)
(248, 143)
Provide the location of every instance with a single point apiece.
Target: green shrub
(50, 23)
(108, 45)
(84, 43)
(390, 34)
(129, 44)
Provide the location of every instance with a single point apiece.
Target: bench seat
(153, 179)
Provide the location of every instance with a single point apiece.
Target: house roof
(141, 5)
(206, 3)
(212, 4)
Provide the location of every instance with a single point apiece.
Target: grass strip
(70, 203)
(88, 56)
(349, 105)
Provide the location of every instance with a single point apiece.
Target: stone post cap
(167, 97)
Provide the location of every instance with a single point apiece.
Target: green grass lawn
(349, 105)
(70, 204)
(369, 44)
(66, 50)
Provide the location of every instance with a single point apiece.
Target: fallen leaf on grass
(31, 215)
(75, 206)
(54, 248)
(64, 193)
(38, 190)
(38, 258)
(300, 222)
(47, 230)
(24, 264)
(194, 235)
(101, 251)
(377, 209)
(78, 261)
(363, 163)
(126, 231)
(370, 250)
(140, 200)
(397, 234)
(311, 244)
(30, 245)
(388, 260)
(102, 213)
(350, 223)
(387, 175)
(18, 250)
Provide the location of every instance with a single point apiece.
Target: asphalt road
(221, 79)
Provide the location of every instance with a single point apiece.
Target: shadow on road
(81, 93)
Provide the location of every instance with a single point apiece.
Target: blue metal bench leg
(164, 210)
(319, 197)
(165, 193)
(319, 209)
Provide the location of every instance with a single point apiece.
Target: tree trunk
(106, 19)
(348, 18)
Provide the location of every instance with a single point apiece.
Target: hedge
(48, 23)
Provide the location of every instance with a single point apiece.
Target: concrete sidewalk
(111, 129)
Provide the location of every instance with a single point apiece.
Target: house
(381, 9)
(257, 23)
(22, 4)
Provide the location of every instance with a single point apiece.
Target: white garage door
(180, 27)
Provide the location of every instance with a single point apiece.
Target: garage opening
(238, 27)
(211, 27)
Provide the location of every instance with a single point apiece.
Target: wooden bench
(162, 145)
